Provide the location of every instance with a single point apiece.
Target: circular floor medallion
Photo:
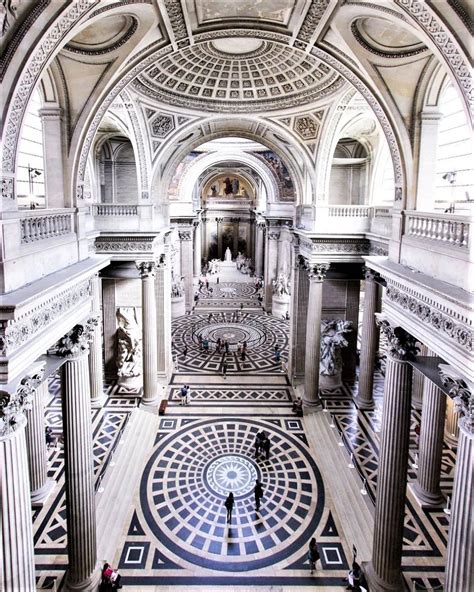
(231, 472)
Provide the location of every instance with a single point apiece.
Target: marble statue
(228, 255)
(332, 341)
(177, 288)
(128, 343)
(281, 285)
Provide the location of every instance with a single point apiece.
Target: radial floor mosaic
(180, 524)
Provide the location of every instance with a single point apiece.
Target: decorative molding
(146, 269)
(14, 333)
(8, 188)
(311, 20)
(401, 345)
(76, 343)
(13, 405)
(341, 246)
(126, 244)
(97, 52)
(462, 394)
(394, 54)
(416, 306)
(178, 24)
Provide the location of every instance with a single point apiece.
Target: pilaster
(186, 243)
(147, 270)
(53, 156)
(163, 316)
(259, 242)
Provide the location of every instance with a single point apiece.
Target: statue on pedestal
(228, 255)
(281, 285)
(332, 341)
(128, 343)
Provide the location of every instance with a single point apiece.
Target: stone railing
(37, 225)
(115, 210)
(349, 211)
(448, 229)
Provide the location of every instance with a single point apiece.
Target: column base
(364, 404)
(99, 402)
(425, 498)
(40, 496)
(312, 406)
(451, 440)
(150, 403)
(376, 584)
(89, 584)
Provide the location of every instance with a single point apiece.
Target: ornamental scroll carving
(13, 405)
(462, 393)
(76, 342)
(401, 345)
(317, 272)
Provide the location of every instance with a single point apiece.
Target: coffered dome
(238, 74)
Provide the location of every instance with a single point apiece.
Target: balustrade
(115, 210)
(450, 230)
(42, 226)
(349, 211)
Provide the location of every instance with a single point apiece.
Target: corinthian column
(41, 487)
(83, 573)
(185, 237)
(260, 230)
(98, 396)
(298, 316)
(17, 569)
(316, 275)
(460, 552)
(384, 571)
(163, 317)
(147, 271)
(368, 343)
(197, 248)
(271, 254)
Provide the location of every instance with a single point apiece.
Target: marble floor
(161, 482)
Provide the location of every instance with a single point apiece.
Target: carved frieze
(125, 245)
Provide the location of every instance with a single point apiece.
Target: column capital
(272, 235)
(76, 343)
(146, 269)
(401, 345)
(13, 405)
(185, 235)
(260, 225)
(196, 223)
(161, 262)
(317, 272)
(370, 275)
(461, 392)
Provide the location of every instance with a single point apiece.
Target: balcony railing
(445, 229)
(115, 210)
(349, 211)
(37, 226)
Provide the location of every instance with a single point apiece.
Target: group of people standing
(230, 500)
(262, 445)
(184, 394)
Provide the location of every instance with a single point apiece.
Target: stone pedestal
(384, 571)
(316, 274)
(427, 486)
(280, 305)
(147, 270)
(98, 397)
(83, 572)
(178, 308)
(41, 486)
(368, 343)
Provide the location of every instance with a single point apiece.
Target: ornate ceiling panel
(224, 75)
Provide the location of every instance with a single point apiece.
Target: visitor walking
(185, 352)
(226, 345)
(217, 279)
(266, 446)
(241, 306)
(229, 506)
(258, 492)
(224, 369)
(313, 554)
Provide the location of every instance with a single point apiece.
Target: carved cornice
(428, 314)
(76, 343)
(14, 333)
(318, 271)
(401, 345)
(125, 244)
(146, 269)
(462, 395)
(13, 405)
(338, 246)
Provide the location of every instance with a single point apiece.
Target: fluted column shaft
(368, 343)
(418, 383)
(17, 569)
(259, 249)
(271, 256)
(384, 571)
(430, 452)
(79, 469)
(163, 317)
(186, 243)
(197, 249)
(316, 274)
(98, 396)
(451, 430)
(36, 446)
(460, 552)
(149, 335)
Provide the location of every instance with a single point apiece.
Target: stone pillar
(53, 156)
(459, 561)
(17, 556)
(316, 274)
(259, 242)
(220, 254)
(109, 319)
(298, 315)
(197, 248)
(41, 487)
(384, 571)
(430, 452)
(236, 236)
(98, 396)
(83, 571)
(451, 429)
(186, 240)
(349, 354)
(147, 270)
(271, 255)
(368, 343)
(430, 119)
(163, 317)
(418, 383)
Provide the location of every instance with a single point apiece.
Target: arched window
(30, 171)
(454, 157)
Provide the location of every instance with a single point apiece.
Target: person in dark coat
(258, 492)
(229, 506)
(266, 447)
(313, 554)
